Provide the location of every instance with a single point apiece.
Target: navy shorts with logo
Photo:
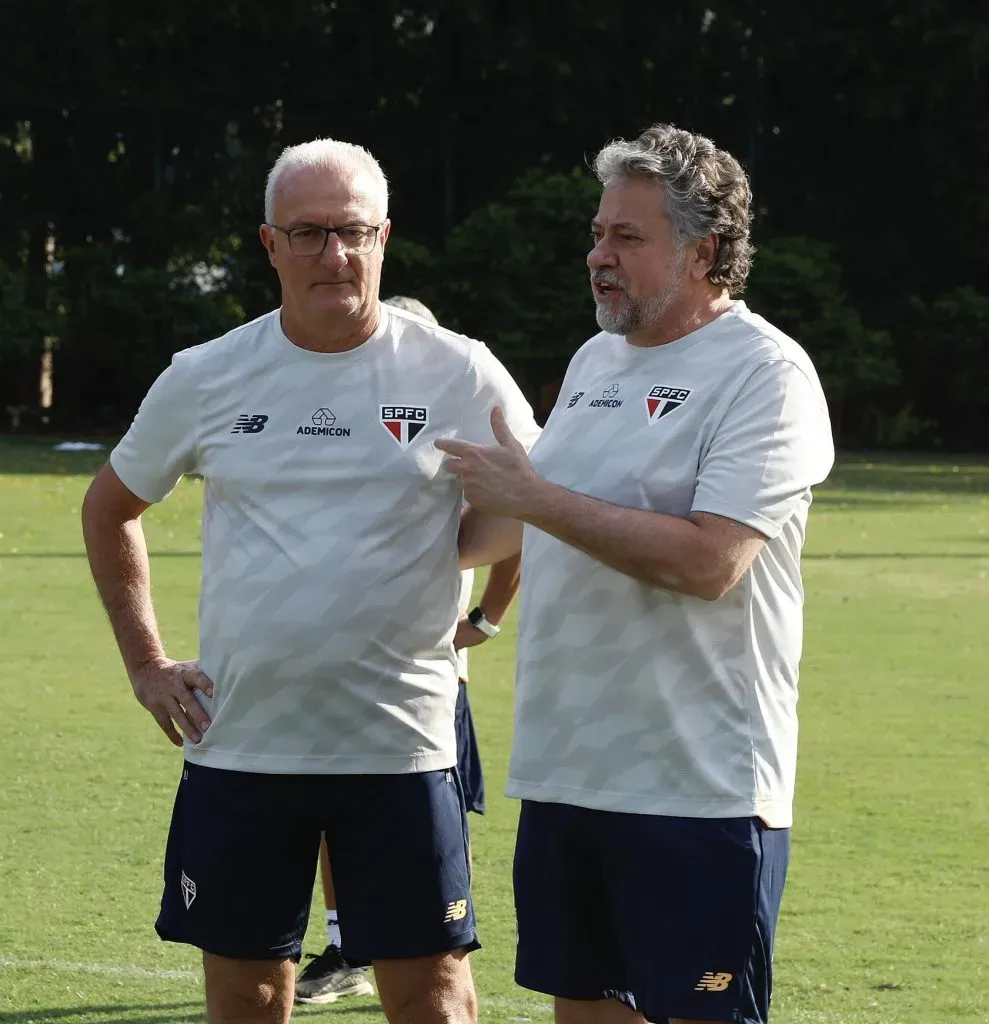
(468, 756)
(674, 916)
(242, 852)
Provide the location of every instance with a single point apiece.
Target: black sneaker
(329, 977)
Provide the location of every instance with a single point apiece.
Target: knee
(448, 1007)
(429, 991)
(248, 992)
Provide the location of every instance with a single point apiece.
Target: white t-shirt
(330, 577)
(630, 697)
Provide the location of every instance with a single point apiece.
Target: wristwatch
(479, 620)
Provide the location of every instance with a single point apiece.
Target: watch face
(475, 616)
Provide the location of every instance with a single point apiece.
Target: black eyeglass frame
(288, 232)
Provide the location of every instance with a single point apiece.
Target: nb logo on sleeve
(456, 911)
(711, 982)
(249, 424)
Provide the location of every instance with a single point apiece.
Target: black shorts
(242, 852)
(673, 916)
(468, 756)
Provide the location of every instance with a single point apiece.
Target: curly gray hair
(707, 191)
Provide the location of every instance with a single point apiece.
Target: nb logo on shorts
(456, 911)
(711, 982)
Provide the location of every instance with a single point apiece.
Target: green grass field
(886, 917)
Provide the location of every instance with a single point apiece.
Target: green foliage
(25, 322)
(138, 317)
(514, 269)
(797, 284)
(945, 349)
(797, 281)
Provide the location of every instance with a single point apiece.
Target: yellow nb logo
(711, 982)
(456, 911)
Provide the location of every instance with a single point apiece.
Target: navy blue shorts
(468, 756)
(242, 852)
(674, 916)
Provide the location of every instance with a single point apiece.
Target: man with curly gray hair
(664, 509)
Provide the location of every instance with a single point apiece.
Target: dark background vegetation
(134, 141)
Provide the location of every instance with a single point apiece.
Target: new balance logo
(188, 890)
(249, 424)
(711, 982)
(456, 911)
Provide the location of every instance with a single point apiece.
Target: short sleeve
(493, 385)
(772, 445)
(160, 445)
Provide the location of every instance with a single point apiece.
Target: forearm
(118, 558)
(663, 550)
(500, 589)
(486, 539)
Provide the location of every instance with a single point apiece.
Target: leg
(695, 902)
(248, 991)
(399, 849)
(329, 894)
(427, 990)
(240, 889)
(567, 944)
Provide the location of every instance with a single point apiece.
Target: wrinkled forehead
(328, 195)
(634, 201)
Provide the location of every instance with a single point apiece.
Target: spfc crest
(404, 422)
(661, 401)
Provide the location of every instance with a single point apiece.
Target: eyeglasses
(311, 239)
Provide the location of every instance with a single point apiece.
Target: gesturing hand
(496, 478)
(166, 689)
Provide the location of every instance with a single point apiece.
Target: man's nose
(601, 256)
(334, 255)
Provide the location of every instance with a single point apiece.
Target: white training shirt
(630, 697)
(330, 568)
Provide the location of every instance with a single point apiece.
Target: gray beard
(637, 314)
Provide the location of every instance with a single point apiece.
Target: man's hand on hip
(167, 690)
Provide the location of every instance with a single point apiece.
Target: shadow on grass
(170, 1013)
(913, 474)
(333, 1009)
(82, 554)
(35, 456)
(837, 556)
(893, 501)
